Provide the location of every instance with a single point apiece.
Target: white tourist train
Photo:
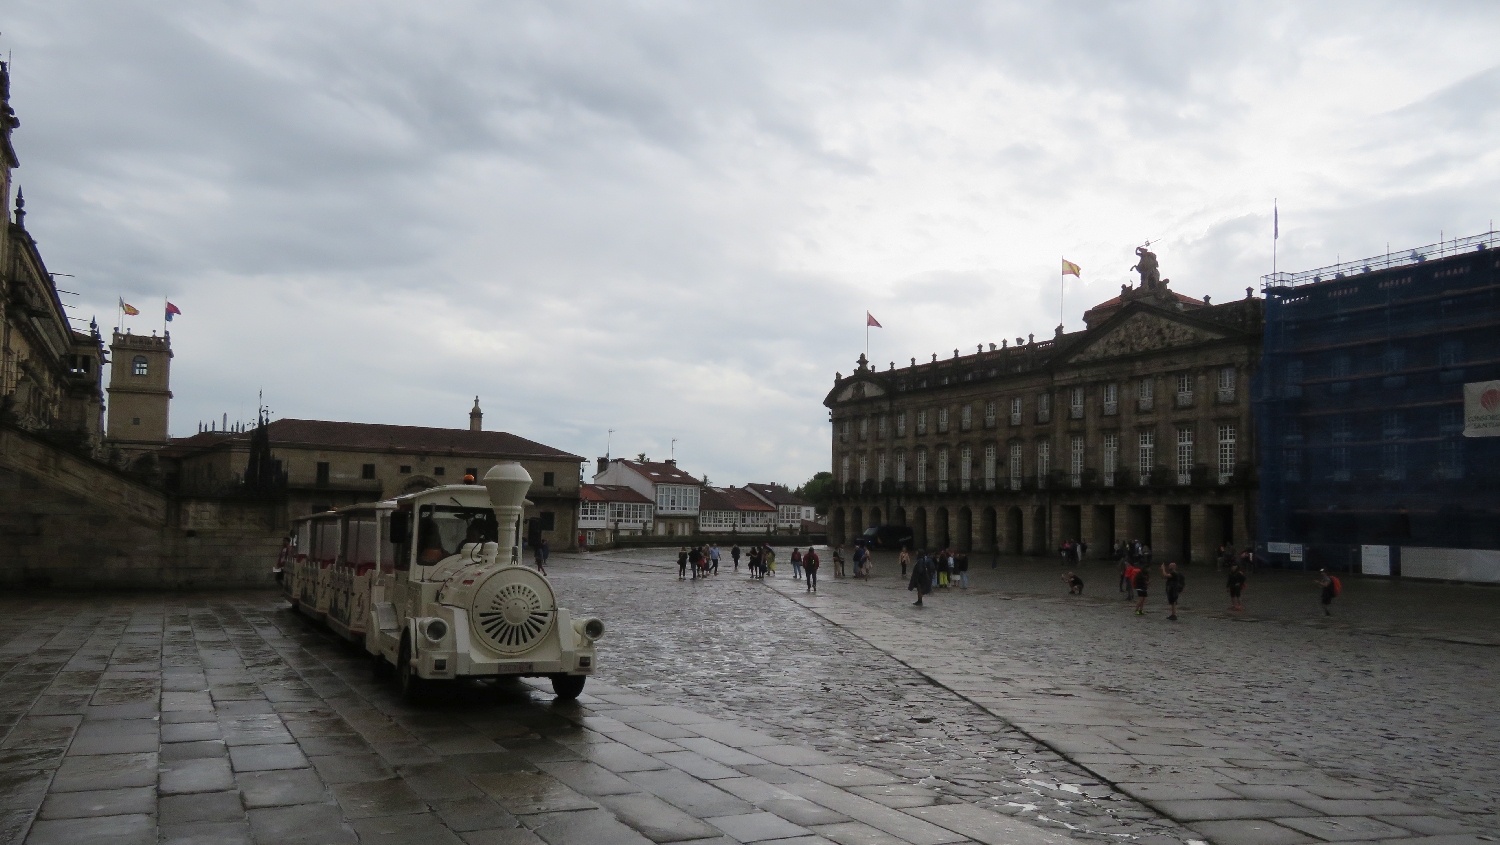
(433, 584)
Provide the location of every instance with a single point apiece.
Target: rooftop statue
(1146, 266)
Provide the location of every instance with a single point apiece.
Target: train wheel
(568, 687)
(378, 665)
(413, 686)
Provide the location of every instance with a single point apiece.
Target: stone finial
(1059, 330)
(20, 208)
(934, 357)
(476, 417)
(1020, 342)
(992, 347)
(863, 362)
(1031, 338)
(838, 376)
(893, 365)
(913, 362)
(1249, 293)
(955, 353)
(1003, 343)
(1207, 300)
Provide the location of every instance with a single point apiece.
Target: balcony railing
(1075, 412)
(1184, 400)
(1226, 396)
(1015, 483)
(1076, 479)
(1015, 417)
(1111, 408)
(1145, 403)
(1109, 479)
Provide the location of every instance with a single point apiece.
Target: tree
(818, 490)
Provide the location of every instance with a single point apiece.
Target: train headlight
(592, 627)
(435, 630)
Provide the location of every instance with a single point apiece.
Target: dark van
(892, 537)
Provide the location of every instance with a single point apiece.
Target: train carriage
(433, 584)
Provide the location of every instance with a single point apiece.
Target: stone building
(1136, 427)
(140, 395)
(49, 373)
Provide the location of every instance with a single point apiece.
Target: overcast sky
(669, 219)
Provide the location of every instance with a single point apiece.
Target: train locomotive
(432, 583)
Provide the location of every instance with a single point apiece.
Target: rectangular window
(864, 428)
(864, 469)
(549, 479)
(880, 467)
(921, 422)
(1016, 455)
(438, 470)
(942, 469)
(921, 470)
(880, 427)
(1075, 467)
(1184, 390)
(1145, 396)
(1015, 411)
(989, 466)
(1146, 456)
(1111, 399)
(901, 466)
(942, 420)
(1184, 456)
(901, 424)
(406, 469)
(966, 417)
(965, 467)
(1227, 457)
(474, 471)
(1075, 404)
(547, 521)
(367, 472)
(844, 431)
(1044, 407)
(844, 470)
(989, 414)
(322, 474)
(1111, 458)
(1043, 462)
(1226, 384)
(1291, 464)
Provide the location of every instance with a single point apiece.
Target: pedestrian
(1142, 583)
(796, 564)
(1127, 578)
(1175, 583)
(583, 543)
(861, 557)
(682, 562)
(1236, 586)
(713, 556)
(752, 562)
(921, 577)
(810, 564)
(1331, 589)
(695, 561)
(734, 552)
(838, 561)
(1083, 551)
(1075, 584)
(543, 551)
(768, 558)
(943, 566)
(963, 570)
(904, 559)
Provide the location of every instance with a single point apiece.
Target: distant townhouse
(791, 510)
(726, 510)
(607, 511)
(674, 494)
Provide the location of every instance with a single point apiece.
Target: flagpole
(1275, 232)
(1061, 280)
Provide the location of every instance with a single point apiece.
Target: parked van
(892, 537)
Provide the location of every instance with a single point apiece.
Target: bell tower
(476, 417)
(139, 390)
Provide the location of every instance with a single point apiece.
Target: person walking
(861, 555)
(695, 561)
(713, 557)
(1127, 579)
(921, 577)
(838, 561)
(682, 562)
(945, 568)
(904, 559)
(810, 565)
(1175, 582)
(1236, 585)
(1331, 589)
(734, 552)
(796, 564)
(963, 570)
(543, 551)
(768, 559)
(1142, 584)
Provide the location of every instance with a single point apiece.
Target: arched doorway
(940, 529)
(1013, 540)
(898, 516)
(836, 527)
(989, 539)
(875, 518)
(919, 528)
(1039, 541)
(965, 539)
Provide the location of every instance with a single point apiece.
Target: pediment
(1142, 332)
(859, 390)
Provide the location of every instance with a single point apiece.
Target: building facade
(791, 510)
(140, 394)
(607, 511)
(1137, 427)
(674, 494)
(1362, 415)
(727, 510)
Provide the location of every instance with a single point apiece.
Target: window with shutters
(966, 417)
(844, 431)
(1226, 384)
(921, 422)
(921, 470)
(901, 424)
(1111, 458)
(1044, 407)
(965, 467)
(1016, 455)
(864, 428)
(1075, 404)
(942, 420)
(1227, 457)
(989, 414)
(1043, 462)
(880, 467)
(844, 470)
(1184, 390)
(1111, 399)
(864, 469)
(1184, 455)
(1145, 394)
(880, 427)
(942, 470)
(1146, 456)
(989, 466)
(1015, 411)
(1075, 465)
(900, 466)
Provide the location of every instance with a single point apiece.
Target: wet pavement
(735, 711)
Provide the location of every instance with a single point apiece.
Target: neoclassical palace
(1137, 427)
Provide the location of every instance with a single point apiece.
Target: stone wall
(67, 523)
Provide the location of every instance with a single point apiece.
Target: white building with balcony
(791, 510)
(607, 511)
(674, 494)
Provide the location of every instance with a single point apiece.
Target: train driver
(429, 542)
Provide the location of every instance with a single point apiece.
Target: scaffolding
(1359, 404)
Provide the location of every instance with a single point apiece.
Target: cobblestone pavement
(734, 711)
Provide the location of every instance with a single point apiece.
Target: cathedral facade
(1136, 428)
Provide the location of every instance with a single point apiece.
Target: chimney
(603, 465)
(671, 462)
(476, 417)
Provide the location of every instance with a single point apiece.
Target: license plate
(513, 669)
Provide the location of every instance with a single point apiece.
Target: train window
(442, 530)
(351, 543)
(304, 537)
(364, 535)
(397, 553)
(328, 541)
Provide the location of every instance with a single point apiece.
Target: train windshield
(443, 529)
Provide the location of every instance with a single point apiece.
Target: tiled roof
(661, 473)
(777, 495)
(730, 499)
(610, 493)
(377, 437)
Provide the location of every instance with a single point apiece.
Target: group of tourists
(939, 570)
(701, 561)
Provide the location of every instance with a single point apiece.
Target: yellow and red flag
(1071, 269)
(129, 309)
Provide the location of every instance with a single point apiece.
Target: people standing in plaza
(543, 551)
(713, 556)
(921, 577)
(734, 552)
(861, 558)
(944, 566)
(1236, 585)
(1174, 583)
(695, 561)
(810, 564)
(962, 564)
(682, 562)
(1127, 578)
(768, 559)
(796, 564)
(1331, 589)
(1142, 583)
(904, 559)
(1075, 584)
(752, 562)
(838, 561)
(583, 543)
